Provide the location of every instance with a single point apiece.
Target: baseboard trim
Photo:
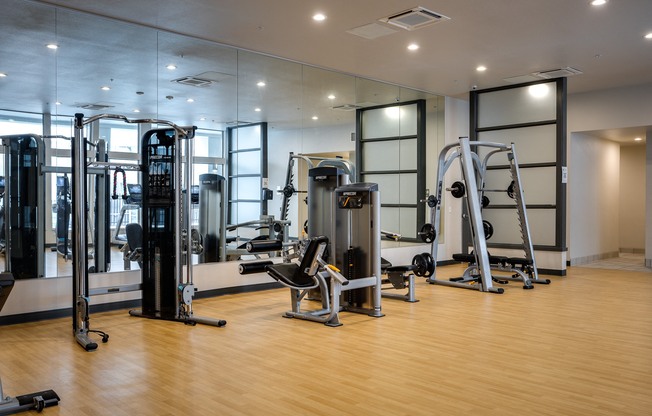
(127, 304)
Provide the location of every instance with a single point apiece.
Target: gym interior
(194, 164)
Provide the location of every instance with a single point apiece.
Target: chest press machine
(478, 274)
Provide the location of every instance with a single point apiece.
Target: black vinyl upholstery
(134, 233)
(296, 275)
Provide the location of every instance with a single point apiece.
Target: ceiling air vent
(347, 107)
(193, 81)
(413, 19)
(94, 107)
(558, 73)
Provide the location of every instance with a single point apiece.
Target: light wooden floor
(581, 346)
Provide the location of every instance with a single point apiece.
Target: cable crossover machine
(167, 289)
(478, 275)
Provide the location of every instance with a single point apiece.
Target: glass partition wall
(96, 65)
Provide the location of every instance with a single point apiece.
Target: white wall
(599, 110)
(593, 182)
(632, 198)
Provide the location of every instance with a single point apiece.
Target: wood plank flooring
(581, 346)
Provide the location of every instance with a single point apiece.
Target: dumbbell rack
(473, 172)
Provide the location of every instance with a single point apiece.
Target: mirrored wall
(59, 62)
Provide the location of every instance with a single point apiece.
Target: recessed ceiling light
(598, 2)
(202, 119)
(2, 75)
(190, 100)
(413, 46)
(319, 17)
(481, 68)
(261, 83)
(257, 110)
(315, 118)
(331, 97)
(57, 103)
(638, 139)
(52, 46)
(136, 110)
(105, 88)
(171, 67)
(648, 36)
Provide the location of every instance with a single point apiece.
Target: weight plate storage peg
(457, 189)
(428, 233)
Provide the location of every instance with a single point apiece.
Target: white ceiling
(509, 37)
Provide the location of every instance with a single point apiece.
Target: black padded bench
(299, 276)
(501, 260)
(400, 277)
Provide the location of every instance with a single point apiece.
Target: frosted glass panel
(382, 122)
(517, 105)
(247, 188)
(246, 163)
(408, 220)
(387, 185)
(246, 138)
(532, 144)
(390, 219)
(379, 156)
(407, 189)
(538, 186)
(248, 211)
(408, 120)
(507, 230)
(408, 154)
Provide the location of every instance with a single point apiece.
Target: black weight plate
(458, 189)
(430, 264)
(488, 229)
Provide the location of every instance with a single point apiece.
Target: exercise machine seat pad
(290, 275)
(293, 275)
(401, 269)
(385, 264)
(517, 261)
(470, 258)
(134, 233)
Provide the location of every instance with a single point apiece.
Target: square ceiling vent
(558, 73)
(413, 19)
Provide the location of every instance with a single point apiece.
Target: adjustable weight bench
(311, 273)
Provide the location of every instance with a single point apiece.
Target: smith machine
(167, 291)
(472, 189)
